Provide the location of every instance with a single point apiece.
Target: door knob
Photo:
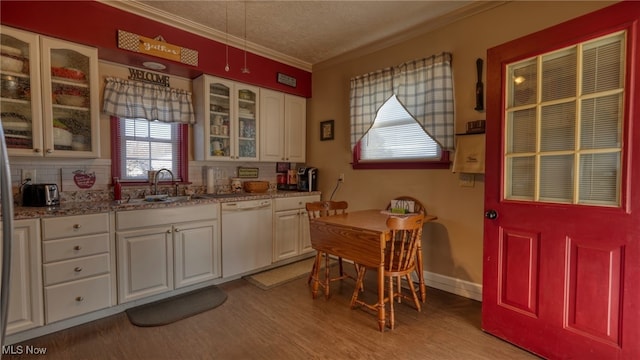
(491, 214)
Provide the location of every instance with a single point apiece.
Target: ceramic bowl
(4, 49)
(8, 63)
(67, 73)
(62, 137)
(70, 100)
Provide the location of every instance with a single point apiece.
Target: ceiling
(302, 33)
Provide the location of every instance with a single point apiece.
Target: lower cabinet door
(145, 262)
(287, 234)
(78, 297)
(196, 252)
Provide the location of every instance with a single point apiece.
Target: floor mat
(283, 274)
(178, 307)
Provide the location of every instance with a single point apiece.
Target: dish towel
(469, 155)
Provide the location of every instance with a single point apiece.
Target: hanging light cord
(226, 30)
(245, 70)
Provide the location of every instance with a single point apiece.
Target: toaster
(40, 195)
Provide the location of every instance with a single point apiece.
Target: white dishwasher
(247, 236)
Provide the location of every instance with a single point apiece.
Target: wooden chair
(326, 208)
(417, 208)
(399, 261)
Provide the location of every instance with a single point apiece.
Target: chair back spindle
(318, 209)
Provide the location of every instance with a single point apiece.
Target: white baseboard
(452, 285)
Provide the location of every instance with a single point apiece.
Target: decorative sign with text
(149, 77)
(286, 79)
(156, 47)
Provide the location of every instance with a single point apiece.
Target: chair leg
(416, 301)
(315, 275)
(313, 271)
(358, 269)
(327, 275)
(356, 292)
(391, 301)
(340, 265)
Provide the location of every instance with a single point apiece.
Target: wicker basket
(256, 186)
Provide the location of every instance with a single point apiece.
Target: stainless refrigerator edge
(7, 234)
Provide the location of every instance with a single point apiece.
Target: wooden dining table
(359, 236)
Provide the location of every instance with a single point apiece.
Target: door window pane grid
(565, 147)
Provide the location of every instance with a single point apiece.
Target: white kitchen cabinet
(77, 265)
(25, 290)
(164, 249)
(196, 246)
(282, 127)
(227, 121)
(145, 262)
(50, 107)
(291, 227)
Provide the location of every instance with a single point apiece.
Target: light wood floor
(285, 323)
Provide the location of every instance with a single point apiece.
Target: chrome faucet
(155, 180)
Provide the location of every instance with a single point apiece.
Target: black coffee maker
(308, 179)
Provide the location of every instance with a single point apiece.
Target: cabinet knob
(169, 231)
(77, 269)
(36, 150)
(77, 248)
(76, 226)
(49, 151)
(177, 230)
(79, 299)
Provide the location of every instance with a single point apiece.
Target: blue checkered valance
(424, 87)
(138, 100)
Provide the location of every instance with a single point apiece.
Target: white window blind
(148, 145)
(564, 124)
(396, 135)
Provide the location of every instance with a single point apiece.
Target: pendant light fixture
(245, 69)
(226, 31)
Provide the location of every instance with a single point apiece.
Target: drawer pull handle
(79, 299)
(76, 226)
(77, 248)
(169, 231)
(177, 230)
(77, 269)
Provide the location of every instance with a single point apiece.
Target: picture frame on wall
(326, 130)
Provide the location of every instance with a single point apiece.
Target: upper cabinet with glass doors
(227, 120)
(49, 100)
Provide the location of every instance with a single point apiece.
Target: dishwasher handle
(228, 207)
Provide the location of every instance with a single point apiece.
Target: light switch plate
(466, 180)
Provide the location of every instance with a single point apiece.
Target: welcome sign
(157, 47)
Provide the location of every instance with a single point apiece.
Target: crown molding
(178, 22)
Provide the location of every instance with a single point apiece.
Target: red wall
(96, 24)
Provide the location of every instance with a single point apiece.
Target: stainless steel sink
(156, 199)
(216, 196)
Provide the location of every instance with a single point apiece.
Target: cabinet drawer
(297, 202)
(76, 298)
(75, 269)
(63, 249)
(68, 226)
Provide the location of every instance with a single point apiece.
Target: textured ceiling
(309, 31)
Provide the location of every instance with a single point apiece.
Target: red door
(561, 273)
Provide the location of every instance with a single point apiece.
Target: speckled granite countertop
(91, 207)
